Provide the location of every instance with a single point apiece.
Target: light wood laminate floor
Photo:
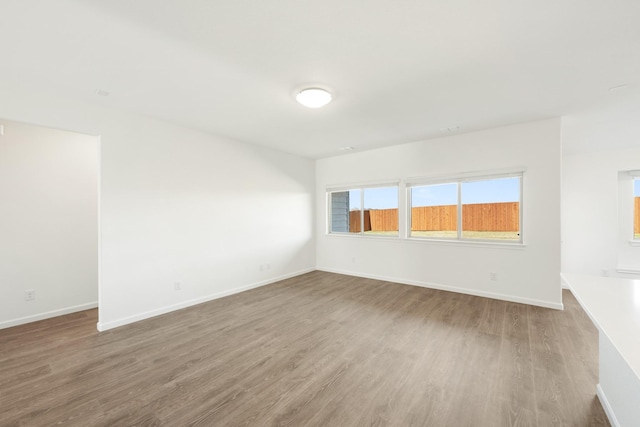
(317, 350)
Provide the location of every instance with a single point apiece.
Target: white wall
(598, 148)
(48, 222)
(181, 205)
(529, 274)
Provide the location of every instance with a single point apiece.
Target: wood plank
(319, 349)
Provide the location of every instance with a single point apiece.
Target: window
(381, 211)
(636, 208)
(379, 216)
(629, 222)
(434, 211)
(483, 208)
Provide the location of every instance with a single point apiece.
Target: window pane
(491, 209)
(345, 212)
(434, 211)
(636, 208)
(381, 211)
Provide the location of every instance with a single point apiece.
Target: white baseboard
(103, 326)
(510, 298)
(606, 406)
(47, 315)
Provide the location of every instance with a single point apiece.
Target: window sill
(363, 236)
(445, 242)
(469, 243)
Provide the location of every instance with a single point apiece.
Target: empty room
(301, 213)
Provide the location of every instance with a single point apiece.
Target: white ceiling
(400, 70)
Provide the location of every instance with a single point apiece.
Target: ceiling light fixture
(313, 97)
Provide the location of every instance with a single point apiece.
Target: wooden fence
(354, 221)
(636, 221)
(491, 217)
(429, 218)
(476, 217)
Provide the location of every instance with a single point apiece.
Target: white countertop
(614, 307)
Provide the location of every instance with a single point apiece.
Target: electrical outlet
(29, 295)
(177, 286)
(493, 276)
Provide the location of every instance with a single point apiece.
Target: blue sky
(496, 190)
(636, 187)
(493, 191)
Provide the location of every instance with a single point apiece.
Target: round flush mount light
(314, 97)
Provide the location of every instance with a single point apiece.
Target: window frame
(635, 178)
(628, 245)
(459, 180)
(360, 187)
